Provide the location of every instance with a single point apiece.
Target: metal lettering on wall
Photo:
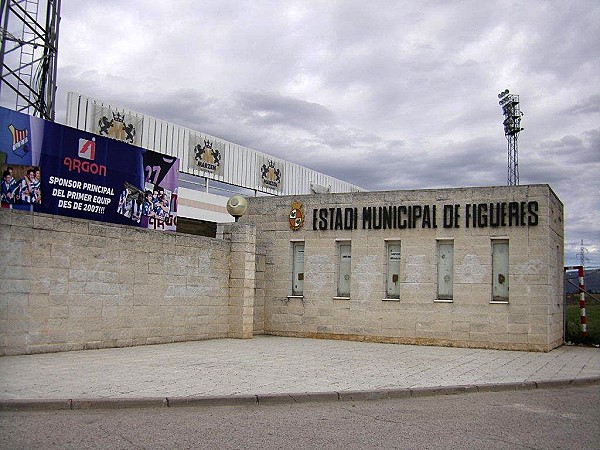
(471, 215)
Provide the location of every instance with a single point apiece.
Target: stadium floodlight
(512, 126)
(28, 55)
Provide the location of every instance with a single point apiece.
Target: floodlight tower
(512, 127)
(28, 54)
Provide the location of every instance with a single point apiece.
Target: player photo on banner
(130, 202)
(21, 185)
(159, 210)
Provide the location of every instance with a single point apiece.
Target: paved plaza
(268, 365)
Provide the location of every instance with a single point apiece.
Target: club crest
(296, 217)
(206, 156)
(271, 175)
(20, 140)
(116, 128)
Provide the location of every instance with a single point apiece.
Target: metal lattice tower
(512, 127)
(583, 252)
(28, 55)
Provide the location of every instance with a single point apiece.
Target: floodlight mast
(512, 126)
(28, 55)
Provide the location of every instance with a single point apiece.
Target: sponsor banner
(55, 169)
(270, 173)
(206, 153)
(83, 174)
(117, 125)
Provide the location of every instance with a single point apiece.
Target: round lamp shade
(237, 206)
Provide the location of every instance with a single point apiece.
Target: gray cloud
(586, 106)
(268, 110)
(386, 95)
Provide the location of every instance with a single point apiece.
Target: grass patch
(592, 310)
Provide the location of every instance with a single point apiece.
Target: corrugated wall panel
(177, 143)
(220, 176)
(169, 140)
(238, 168)
(291, 174)
(88, 117)
(149, 136)
(184, 155)
(164, 143)
(160, 136)
(251, 174)
(72, 109)
(297, 179)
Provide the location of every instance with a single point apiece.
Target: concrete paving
(275, 369)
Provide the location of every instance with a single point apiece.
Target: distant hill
(591, 281)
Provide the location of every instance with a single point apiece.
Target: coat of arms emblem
(296, 217)
(19, 141)
(270, 174)
(206, 156)
(117, 128)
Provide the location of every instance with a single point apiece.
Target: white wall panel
(203, 206)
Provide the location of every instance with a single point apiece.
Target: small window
(392, 284)
(344, 269)
(500, 271)
(445, 269)
(297, 268)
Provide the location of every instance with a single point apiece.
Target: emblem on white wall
(207, 156)
(270, 174)
(116, 125)
(296, 217)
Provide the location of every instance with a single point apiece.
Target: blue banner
(55, 169)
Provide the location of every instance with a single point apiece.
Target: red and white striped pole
(582, 301)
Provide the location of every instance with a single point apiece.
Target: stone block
(15, 287)
(481, 337)
(541, 339)
(38, 301)
(519, 329)
(10, 272)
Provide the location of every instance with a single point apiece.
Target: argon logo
(87, 149)
(77, 165)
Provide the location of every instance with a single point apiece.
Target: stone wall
(531, 319)
(70, 284)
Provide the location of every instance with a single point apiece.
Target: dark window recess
(197, 227)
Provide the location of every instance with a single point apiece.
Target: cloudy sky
(383, 94)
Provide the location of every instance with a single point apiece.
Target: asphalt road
(561, 418)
